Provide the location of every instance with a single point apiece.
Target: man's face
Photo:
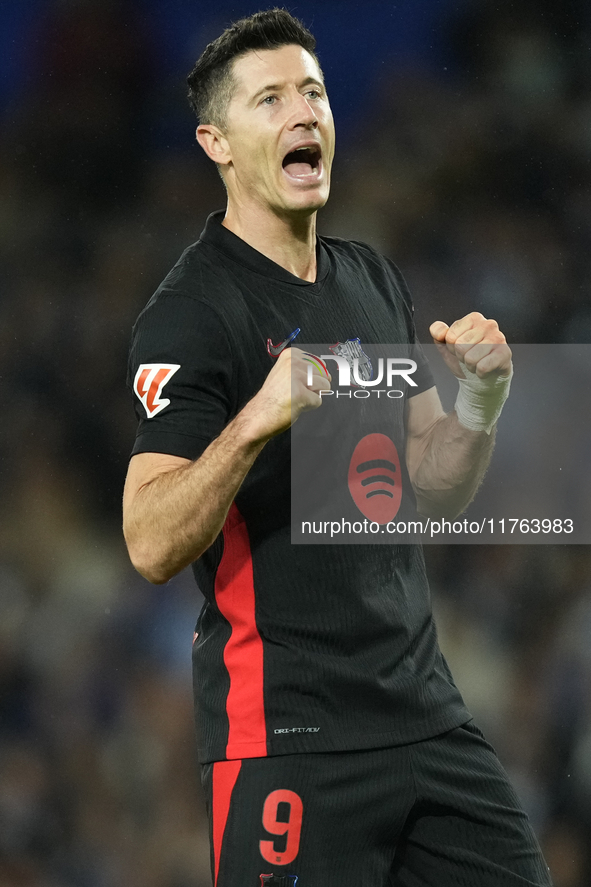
(280, 131)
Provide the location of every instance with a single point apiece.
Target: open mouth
(304, 163)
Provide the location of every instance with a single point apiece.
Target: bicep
(423, 412)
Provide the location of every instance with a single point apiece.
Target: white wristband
(480, 401)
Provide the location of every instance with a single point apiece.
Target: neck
(289, 242)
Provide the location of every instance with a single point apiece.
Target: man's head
(259, 94)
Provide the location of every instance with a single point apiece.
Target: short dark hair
(211, 83)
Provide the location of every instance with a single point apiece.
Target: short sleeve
(180, 373)
(423, 375)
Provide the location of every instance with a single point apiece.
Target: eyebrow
(277, 87)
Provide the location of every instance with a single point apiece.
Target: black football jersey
(297, 648)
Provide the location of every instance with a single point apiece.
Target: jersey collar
(227, 242)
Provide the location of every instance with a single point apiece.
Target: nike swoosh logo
(275, 350)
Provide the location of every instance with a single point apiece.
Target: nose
(304, 113)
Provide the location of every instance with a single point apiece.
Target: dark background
(464, 140)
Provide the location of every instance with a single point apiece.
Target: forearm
(451, 464)
(175, 517)
(447, 455)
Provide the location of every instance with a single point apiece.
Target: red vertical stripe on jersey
(225, 774)
(243, 654)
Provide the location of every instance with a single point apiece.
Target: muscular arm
(173, 509)
(446, 459)
(446, 462)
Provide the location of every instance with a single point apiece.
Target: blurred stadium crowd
(477, 182)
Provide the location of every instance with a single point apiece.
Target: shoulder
(351, 247)
(180, 318)
(179, 331)
(357, 253)
(198, 289)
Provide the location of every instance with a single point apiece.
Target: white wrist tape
(480, 401)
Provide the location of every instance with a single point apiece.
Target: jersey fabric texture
(437, 812)
(298, 648)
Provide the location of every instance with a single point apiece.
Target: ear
(214, 143)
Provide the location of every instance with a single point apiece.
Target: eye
(269, 100)
(313, 93)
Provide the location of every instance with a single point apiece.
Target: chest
(352, 306)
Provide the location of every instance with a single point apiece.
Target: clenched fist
(474, 341)
(289, 389)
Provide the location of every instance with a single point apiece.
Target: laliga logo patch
(375, 482)
(149, 381)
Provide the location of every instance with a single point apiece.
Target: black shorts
(435, 813)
